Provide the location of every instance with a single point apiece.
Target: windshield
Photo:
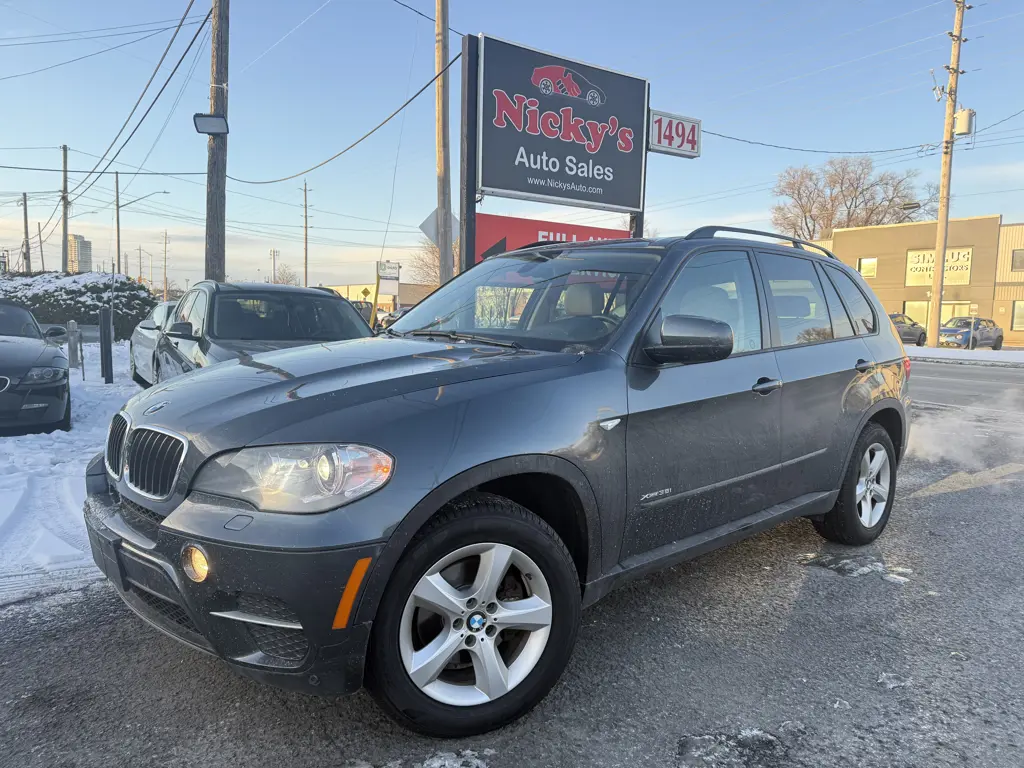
(550, 300)
(17, 321)
(285, 317)
(957, 322)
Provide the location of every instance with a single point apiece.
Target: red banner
(497, 234)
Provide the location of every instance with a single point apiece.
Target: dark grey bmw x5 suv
(427, 511)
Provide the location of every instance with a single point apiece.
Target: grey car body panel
(457, 415)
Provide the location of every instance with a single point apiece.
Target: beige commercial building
(408, 294)
(984, 274)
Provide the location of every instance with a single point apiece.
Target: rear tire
(973, 344)
(922, 340)
(489, 523)
(859, 516)
(998, 344)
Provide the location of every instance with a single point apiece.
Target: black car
(34, 389)
(215, 322)
(910, 331)
(428, 511)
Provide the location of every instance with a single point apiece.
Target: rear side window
(798, 303)
(842, 328)
(860, 308)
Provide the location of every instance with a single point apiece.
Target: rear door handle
(766, 386)
(864, 366)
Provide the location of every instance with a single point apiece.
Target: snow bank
(55, 297)
(43, 544)
(1002, 357)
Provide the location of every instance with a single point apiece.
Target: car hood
(235, 403)
(18, 354)
(226, 349)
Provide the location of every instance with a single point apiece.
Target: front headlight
(960, 337)
(296, 478)
(45, 375)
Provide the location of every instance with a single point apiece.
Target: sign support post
(470, 106)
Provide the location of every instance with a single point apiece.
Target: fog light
(196, 566)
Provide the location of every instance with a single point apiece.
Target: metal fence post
(106, 346)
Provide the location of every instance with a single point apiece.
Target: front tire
(998, 344)
(922, 340)
(133, 370)
(478, 620)
(865, 500)
(973, 344)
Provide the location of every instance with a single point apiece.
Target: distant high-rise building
(79, 254)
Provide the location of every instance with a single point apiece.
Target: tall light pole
(942, 226)
(117, 216)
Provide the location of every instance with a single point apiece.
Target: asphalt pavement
(783, 650)
(975, 386)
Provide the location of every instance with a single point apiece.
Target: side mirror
(147, 325)
(55, 333)
(181, 331)
(688, 339)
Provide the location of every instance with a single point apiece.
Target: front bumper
(32, 406)
(274, 615)
(947, 341)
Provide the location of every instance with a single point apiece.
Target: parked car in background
(215, 322)
(365, 309)
(386, 321)
(142, 346)
(34, 389)
(429, 510)
(910, 331)
(970, 333)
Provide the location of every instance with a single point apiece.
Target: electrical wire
(142, 95)
(398, 150)
(814, 151)
(155, 98)
(100, 173)
(286, 35)
(362, 138)
(90, 31)
(78, 58)
(1000, 122)
(420, 13)
(92, 37)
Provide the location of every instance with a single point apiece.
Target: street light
(211, 125)
(117, 214)
(137, 199)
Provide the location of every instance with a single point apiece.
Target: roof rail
(710, 231)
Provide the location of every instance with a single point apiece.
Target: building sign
(387, 278)
(921, 267)
(674, 134)
(497, 234)
(552, 129)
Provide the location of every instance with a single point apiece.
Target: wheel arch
(553, 488)
(890, 414)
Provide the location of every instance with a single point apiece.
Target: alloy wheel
(873, 485)
(476, 624)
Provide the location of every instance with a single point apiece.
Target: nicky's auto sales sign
(552, 129)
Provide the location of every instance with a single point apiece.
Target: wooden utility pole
(305, 234)
(217, 146)
(140, 265)
(444, 187)
(27, 245)
(64, 213)
(117, 219)
(42, 260)
(165, 265)
(942, 227)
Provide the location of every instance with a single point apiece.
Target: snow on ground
(980, 356)
(43, 544)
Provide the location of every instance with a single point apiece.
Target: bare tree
(424, 267)
(286, 275)
(846, 192)
(174, 291)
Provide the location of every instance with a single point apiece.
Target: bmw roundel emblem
(475, 622)
(154, 408)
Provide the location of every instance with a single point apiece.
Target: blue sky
(828, 74)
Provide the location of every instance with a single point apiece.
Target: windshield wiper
(392, 332)
(455, 336)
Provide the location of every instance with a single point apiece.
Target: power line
(100, 173)
(1000, 122)
(286, 35)
(142, 95)
(814, 151)
(155, 98)
(424, 15)
(98, 29)
(362, 138)
(89, 37)
(79, 58)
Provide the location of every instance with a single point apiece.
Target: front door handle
(864, 366)
(766, 386)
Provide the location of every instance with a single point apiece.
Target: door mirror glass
(689, 339)
(147, 325)
(55, 333)
(181, 330)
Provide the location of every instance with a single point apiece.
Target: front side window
(18, 321)
(550, 299)
(183, 309)
(285, 316)
(799, 306)
(860, 308)
(719, 285)
(197, 313)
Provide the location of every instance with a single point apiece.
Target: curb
(979, 363)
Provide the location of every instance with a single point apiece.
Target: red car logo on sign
(552, 79)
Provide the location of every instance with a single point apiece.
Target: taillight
(906, 366)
